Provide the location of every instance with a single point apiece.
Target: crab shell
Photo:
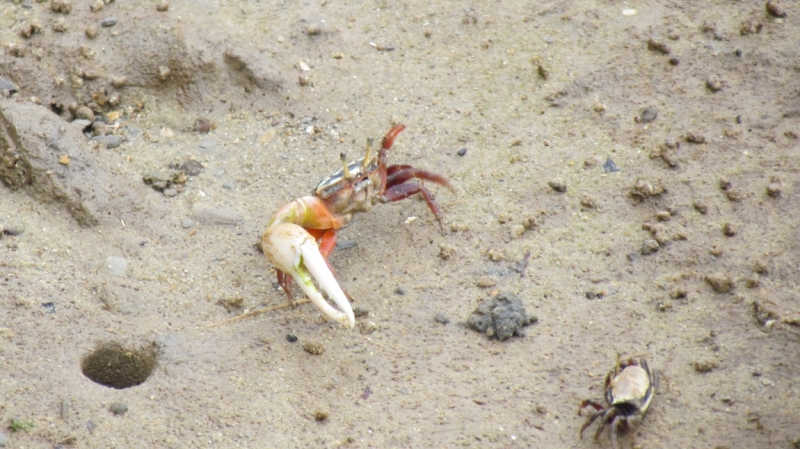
(630, 391)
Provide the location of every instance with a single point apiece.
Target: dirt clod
(646, 189)
(720, 283)
(730, 229)
(705, 366)
(117, 366)
(313, 347)
(503, 317)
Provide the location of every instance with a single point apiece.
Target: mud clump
(502, 317)
(114, 365)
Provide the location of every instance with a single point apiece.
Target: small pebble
(592, 161)
(169, 193)
(729, 229)
(663, 215)
(60, 25)
(558, 185)
(700, 206)
(720, 283)
(97, 6)
(462, 152)
(91, 31)
(775, 10)
(13, 229)
(321, 415)
(3, 440)
(774, 189)
(695, 138)
(187, 223)
(291, 338)
(360, 312)
(441, 318)
(704, 366)
(658, 46)
(203, 125)
(313, 29)
(314, 347)
(648, 115)
(400, 291)
(118, 408)
(674, 60)
(714, 83)
(192, 167)
(108, 22)
(85, 113)
(650, 246)
(162, 6)
(119, 81)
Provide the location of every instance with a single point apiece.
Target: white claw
(294, 251)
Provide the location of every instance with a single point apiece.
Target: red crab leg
(407, 172)
(402, 191)
(388, 139)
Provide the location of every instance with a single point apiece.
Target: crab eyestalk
(346, 171)
(365, 164)
(294, 251)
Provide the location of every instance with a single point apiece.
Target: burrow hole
(117, 366)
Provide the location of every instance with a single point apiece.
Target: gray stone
(108, 141)
(503, 317)
(169, 193)
(81, 123)
(187, 223)
(108, 22)
(3, 440)
(218, 217)
(117, 266)
(84, 113)
(228, 186)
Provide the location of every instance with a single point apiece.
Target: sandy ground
(538, 93)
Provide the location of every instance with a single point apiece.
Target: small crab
(630, 387)
(302, 234)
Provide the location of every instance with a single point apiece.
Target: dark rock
(503, 317)
(462, 152)
(291, 338)
(609, 166)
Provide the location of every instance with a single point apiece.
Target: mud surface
(631, 175)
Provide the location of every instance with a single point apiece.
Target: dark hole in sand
(117, 366)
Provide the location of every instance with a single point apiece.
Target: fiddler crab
(302, 234)
(630, 387)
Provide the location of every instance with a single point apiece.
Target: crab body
(629, 389)
(354, 188)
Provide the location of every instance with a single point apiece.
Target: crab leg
(295, 252)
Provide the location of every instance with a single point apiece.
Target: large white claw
(294, 251)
